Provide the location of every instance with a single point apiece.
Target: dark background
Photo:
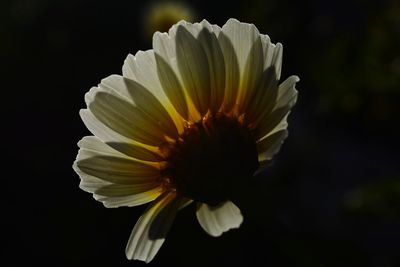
(331, 197)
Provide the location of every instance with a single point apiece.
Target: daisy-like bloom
(187, 121)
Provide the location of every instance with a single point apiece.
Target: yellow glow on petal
(154, 193)
(194, 115)
(178, 120)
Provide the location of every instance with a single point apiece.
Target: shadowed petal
(117, 170)
(114, 196)
(232, 74)
(126, 119)
(193, 66)
(270, 145)
(99, 129)
(272, 55)
(152, 227)
(208, 39)
(135, 151)
(172, 87)
(148, 103)
(264, 97)
(137, 95)
(143, 68)
(219, 219)
(247, 46)
(168, 71)
(252, 75)
(113, 178)
(285, 100)
(207, 36)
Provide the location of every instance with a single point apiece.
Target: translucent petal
(152, 227)
(219, 219)
(137, 95)
(135, 151)
(272, 55)
(116, 180)
(287, 93)
(270, 145)
(126, 119)
(207, 36)
(97, 147)
(116, 169)
(285, 99)
(143, 68)
(194, 69)
(247, 45)
(128, 149)
(114, 196)
(232, 73)
(216, 63)
(262, 99)
(99, 129)
(148, 103)
(168, 71)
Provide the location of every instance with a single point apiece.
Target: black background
(331, 197)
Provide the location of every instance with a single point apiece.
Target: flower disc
(210, 157)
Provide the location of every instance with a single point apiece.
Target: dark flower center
(211, 157)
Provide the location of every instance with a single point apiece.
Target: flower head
(202, 111)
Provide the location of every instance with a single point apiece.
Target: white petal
(270, 145)
(103, 162)
(126, 119)
(116, 180)
(164, 45)
(285, 99)
(208, 39)
(287, 93)
(246, 42)
(137, 95)
(194, 69)
(95, 144)
(143, 68)
(114, 196)
(152, 227)
(148, 103)
(116, 169)
(99, 129)
(207, 36)
(242, 37)
(264, 96)
(136, 151)
(168, 71)
(232, 72)
(219, 219)
(272, 55)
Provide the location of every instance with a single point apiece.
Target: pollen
(210, 157)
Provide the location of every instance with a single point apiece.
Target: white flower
(185, 122)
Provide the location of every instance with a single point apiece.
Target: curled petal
(219, 219)
(150, 231)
